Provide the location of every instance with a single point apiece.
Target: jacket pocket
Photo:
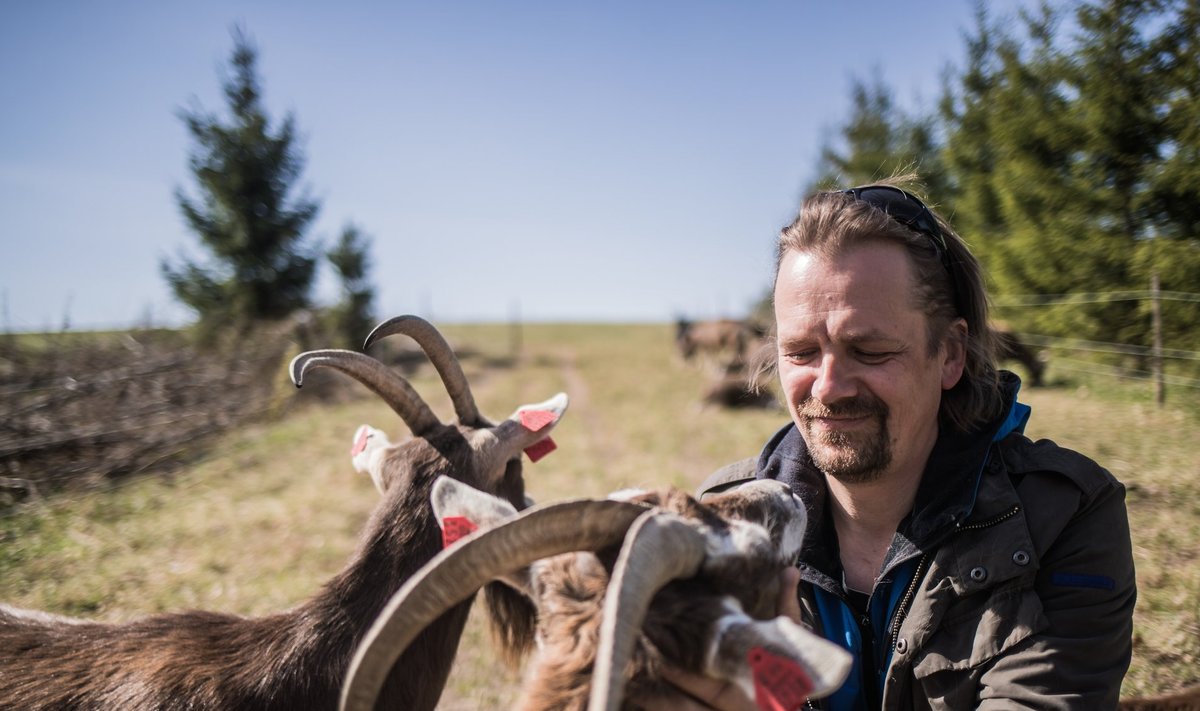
(980, 627)
(975, 630)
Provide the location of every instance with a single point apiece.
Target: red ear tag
(361, 443)
(456, 527)
(535, 420)
(779, 684)
(541, 448)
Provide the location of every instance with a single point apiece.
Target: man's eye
(800, 356)
(874, 356)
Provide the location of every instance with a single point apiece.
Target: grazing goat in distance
(692, 586)
(1009, 346)
(723, 338)
(297, 659)
(740, 384)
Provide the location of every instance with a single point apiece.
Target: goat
(738, 387)
(1186, 699)
(721, 338)
(1009, 346)
(298, 658)
(693, 586)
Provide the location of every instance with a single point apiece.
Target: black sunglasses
(905, 208)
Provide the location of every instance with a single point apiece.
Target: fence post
(1160, 386)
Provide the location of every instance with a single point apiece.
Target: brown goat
(1186, 699)
(738, 384)
(295, 659)
(670, 581)
(722, 339)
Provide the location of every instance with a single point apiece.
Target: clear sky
(579, 161)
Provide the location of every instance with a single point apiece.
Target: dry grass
(257, 525)
(1154, 452)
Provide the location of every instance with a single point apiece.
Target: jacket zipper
(911, 591)
(959, 528)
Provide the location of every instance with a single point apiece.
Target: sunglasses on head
(905, 208)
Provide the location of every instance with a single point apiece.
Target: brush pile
(81, 410)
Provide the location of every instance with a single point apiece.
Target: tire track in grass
(598, 443)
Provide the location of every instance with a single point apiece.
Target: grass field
(258, 523)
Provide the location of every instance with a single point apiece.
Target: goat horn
(394, 390)
(459, 571)
(443, 358)
(659, 548)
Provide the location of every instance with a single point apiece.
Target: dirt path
(599, 436)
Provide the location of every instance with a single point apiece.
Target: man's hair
(833, 222)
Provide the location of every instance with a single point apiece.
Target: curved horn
(659, 548)
(459, 571)
(442, 356)
(394, 390)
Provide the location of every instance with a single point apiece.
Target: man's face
(854, 361)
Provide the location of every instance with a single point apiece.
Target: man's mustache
(852, 407)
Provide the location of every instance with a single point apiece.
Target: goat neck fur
(298, 658)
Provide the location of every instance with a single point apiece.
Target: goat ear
(553, 410)
(367, 441)
(776, 659)
(528, 430)
(452, 498)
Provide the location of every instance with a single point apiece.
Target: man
(963, 565)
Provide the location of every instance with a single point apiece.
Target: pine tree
(1176, 188)
(1047, 246)
(1117, 76)
(353, 316)
(1077, 136)
(1173, 252)
(880, 140)
(1074, 164)
(258, 265)
(969, 153)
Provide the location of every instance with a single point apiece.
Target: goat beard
(850, 457)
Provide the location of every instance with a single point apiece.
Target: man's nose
(834, 380)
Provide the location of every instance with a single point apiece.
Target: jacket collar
(946, 494)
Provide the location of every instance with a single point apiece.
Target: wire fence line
(1094, 297)
(1079, 344)
(1092, 368)
(1154, 357)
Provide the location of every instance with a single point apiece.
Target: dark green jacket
(1022, 583)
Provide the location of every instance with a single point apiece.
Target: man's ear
(954, 353)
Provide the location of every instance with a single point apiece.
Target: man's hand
(701, 693)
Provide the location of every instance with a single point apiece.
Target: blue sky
(575, 161)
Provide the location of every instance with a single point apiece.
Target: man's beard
(850, 457)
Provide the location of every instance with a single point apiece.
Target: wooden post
(1160, 386)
